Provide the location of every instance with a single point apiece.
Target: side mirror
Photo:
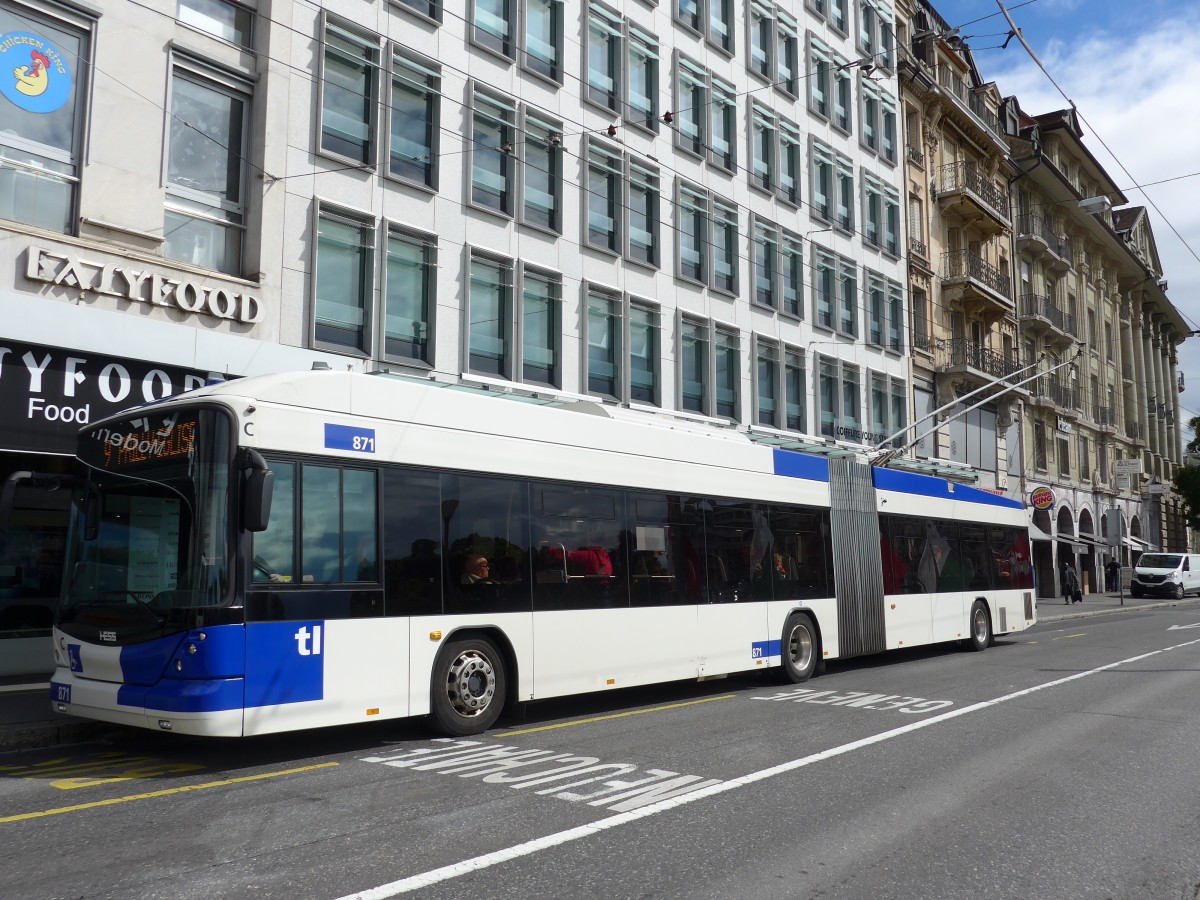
(258, 488)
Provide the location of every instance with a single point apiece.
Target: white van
(1172, 574)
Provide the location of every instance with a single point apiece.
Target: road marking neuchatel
(621, 715)
(166, 792)
(486, 860)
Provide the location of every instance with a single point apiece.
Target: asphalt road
(1059, 763)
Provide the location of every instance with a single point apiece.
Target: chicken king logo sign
(39, 80)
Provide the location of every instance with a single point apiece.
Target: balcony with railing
(975, 364)
(1127, 371)
(1059, 256)
(977, 283)
(1105, 417)
(1049, 391)
(915, 155)
(1126, 314)
(1040, 314)
(965, 190)
(969, 102)
(1136, 431)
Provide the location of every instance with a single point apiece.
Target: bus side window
(489, 518)
(580, 552)
(412, 542)
(275, 549)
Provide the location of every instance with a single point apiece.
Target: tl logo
(309, 643)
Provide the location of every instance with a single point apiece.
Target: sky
(1131, 69)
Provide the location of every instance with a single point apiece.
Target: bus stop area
(26, 721)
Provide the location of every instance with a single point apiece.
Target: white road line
(434, 876)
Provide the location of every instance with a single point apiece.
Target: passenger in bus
(476, 570)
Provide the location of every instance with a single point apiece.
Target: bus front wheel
(981, 627)
(800, 648)
(468, 687)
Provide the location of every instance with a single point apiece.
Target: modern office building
(689, 210)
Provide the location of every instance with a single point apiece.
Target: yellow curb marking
(636, 712)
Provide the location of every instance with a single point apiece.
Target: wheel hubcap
(981, 626)
(471, 684)
(800, 647)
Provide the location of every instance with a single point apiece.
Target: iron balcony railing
(1104, 416)
(1127, 371)
(1055, 391)
(965, 264)
(917, 246)
(1043, 306)
(967, 176)
(922, 342)
(915, 154)
(949, 79)
(965, 352)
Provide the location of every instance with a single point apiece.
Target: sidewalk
(26, 721)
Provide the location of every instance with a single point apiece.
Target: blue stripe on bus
(801, 465)
(929, 486)
(179, 696)
(285, 662)
(765, 649)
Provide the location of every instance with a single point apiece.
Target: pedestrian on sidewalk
(1070, 584)
(1112, 576)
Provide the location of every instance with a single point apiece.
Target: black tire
(800, 649)
(981, 627)
(1179, 593)
(1135, 590)
(468, 687)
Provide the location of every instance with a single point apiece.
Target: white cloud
(1136, 91)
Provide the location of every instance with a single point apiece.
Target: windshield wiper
(158, 620)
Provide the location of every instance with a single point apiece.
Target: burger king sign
(1042, 498)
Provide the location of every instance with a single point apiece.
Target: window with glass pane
(205, 183)
(895, 315)
(787, 54)
(887, 114)
(899, 417)
(690, 106)
(604, 56)
(693, 375)
(416, 100)
(430, 9)
(819, 75)
(643, 354)
(490, 310)
(766, 248)
(693, 235)
(795, 392)
(725, 248)
(643, 79)
(348, 95)
(851, 402)
(879, 408)
(791, 269)
(492, 25)
(603, 332)
(789, 163)
(726, 357)
(887, 41)
(229, 21)
(891, 222)
(843, 100)
(845, 194)
(870, 115)
(688, 12)
(827, 391)
(539, 327)
(492, 160)
(876, 309)
(761, 28)
(822, 161)
(343, 282)
(839, 12)
(824, 276)
(544, 37)
(720, 24)
(542, 202)
(921, 319)
(411, 276)
(40, 151)
(848, 279)
(866, 27)
(723, 119)
(643, 214)
(762, 142)
(874, 211)
(767, 385)
(604, 199)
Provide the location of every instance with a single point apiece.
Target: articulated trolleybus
(302, 550)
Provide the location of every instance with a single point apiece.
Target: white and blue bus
(292, 551)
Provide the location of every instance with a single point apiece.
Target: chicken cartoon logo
(40, 80)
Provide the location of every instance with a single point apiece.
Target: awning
(1138, 543)
(1093, 542)
(1037, 534)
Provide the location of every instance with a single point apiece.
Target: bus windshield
(151, 523)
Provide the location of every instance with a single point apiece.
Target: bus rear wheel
(468, 687)
(981, 627)
(800, 648)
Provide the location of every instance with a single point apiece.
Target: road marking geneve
(445, 873)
